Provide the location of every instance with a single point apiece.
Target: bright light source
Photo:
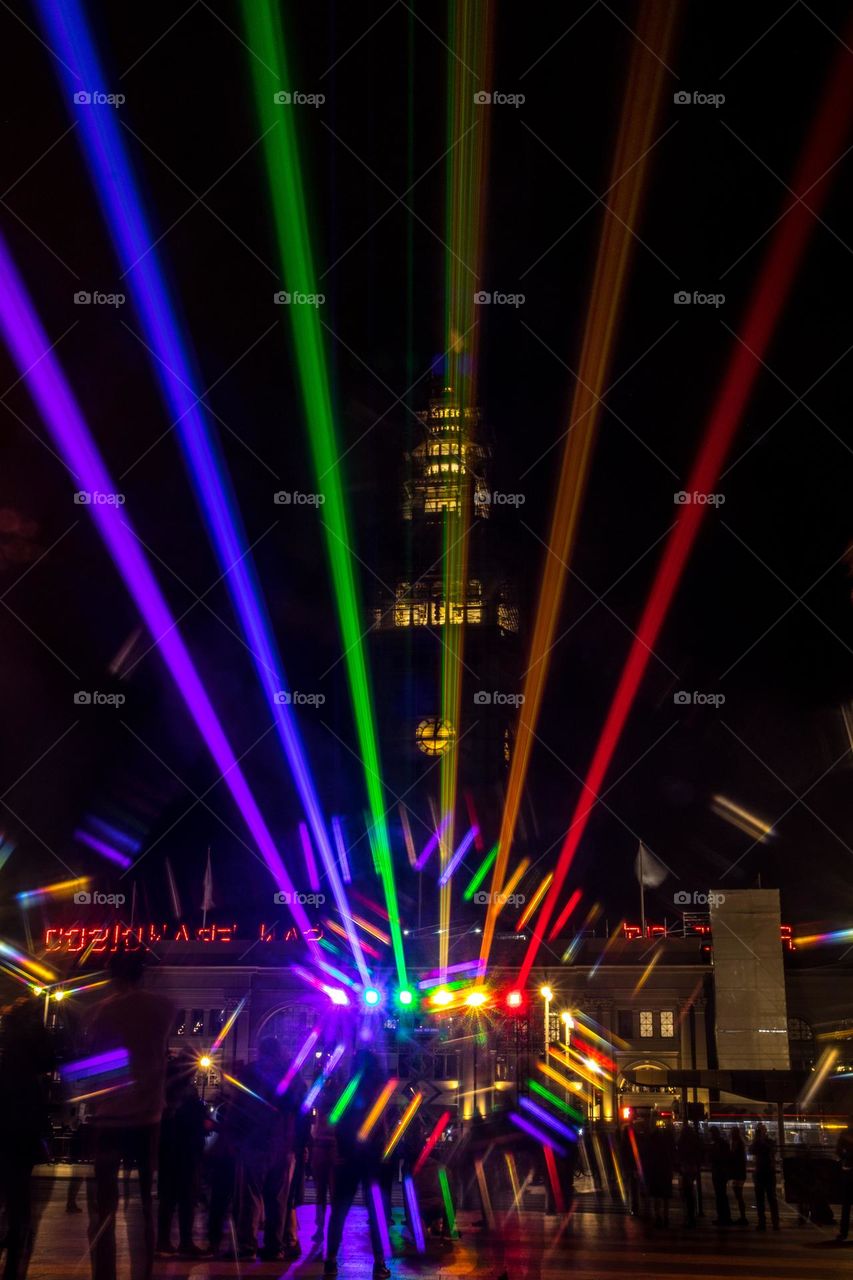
(38, 991)
(405, 997)
(567, 1018)
(442, 997)
(514, 999)
(476, 999)
(336, 995)
(593, 1065)
(546, 993)
(371, 996)
(205, 1062)
(627, 1113)
(59, 995)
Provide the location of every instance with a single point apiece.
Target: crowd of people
(246, 1159)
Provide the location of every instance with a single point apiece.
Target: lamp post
(547, 995)
(568, 1026)
(475, 1001)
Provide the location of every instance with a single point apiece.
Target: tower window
(647, 1023)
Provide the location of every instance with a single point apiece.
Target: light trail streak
(468, 133)
(480, 874)
(429, 1145)
(173, 364)
(27, 963)
(402, 1124)
(345, 1099)
(55, 402)
(464, 845)
(385, 1095)
(534, 902)
(414, 1213)
(640, 110)
(29, 897)
(104, 849)
(533, 1131)
(380, 1217)
(269, 66)
(573, 901)
(227, 1025)
(296, 1065)
(789, 239)
(450, 1216)
(823, 1070)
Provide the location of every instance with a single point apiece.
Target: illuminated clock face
(434, 736)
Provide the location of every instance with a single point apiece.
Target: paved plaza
(598, 1242)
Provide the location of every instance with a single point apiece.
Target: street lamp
(568, 1026)
(547, 995)
(205, 1062)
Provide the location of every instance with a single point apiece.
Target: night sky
(762, 615)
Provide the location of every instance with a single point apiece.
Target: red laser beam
(811, 181)
(433, 1138)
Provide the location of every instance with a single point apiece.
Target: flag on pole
(648, 869)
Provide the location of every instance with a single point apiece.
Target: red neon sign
(98, 939)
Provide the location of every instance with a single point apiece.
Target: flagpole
(642, 894)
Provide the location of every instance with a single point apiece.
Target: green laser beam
(555, 1101)
(480, 874)
(448, 1203)
(345, 1099)
(265, 37)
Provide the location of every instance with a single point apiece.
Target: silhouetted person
(222, 1175)
(690, 1162)
(181, 1150)
(261, 1124)
(296, 1196)
(75, 1155)
(358, 1165)
(27, 1057)
(844, 1150)
(323, 1156)
(660, 1161)
(126, 1125)
(763, 1151)
(720, 1155)
(737, 1171)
